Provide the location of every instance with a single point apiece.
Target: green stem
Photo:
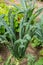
(8, 60)
(17, 62)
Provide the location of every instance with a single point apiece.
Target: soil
(4, 52)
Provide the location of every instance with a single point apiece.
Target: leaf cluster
(28, 28)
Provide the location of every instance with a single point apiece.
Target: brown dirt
(40, 4)
(4, 53)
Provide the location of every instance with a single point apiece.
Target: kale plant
(17, 43)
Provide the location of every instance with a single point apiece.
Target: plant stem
(17, 62)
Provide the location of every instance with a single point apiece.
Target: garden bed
(4, 52)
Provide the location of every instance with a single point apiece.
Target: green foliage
(37, 30)
(3, 8)
(2, 30)
(1, 60)
(41, 52)
(40, 61)
(17, 43)
(8, 61)
(35, 41)
(32, 60)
